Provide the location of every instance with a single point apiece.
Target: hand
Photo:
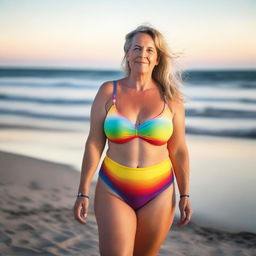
(185, 211)
(80, 209)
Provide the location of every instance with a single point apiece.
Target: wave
(228, 78)
(241, 133)
(33, 127)
(13, 97)
(86, 101)
(28, 113)
(223, 100)
(24, 104)
(220, 113)
(58, 101)
(239, 78)
(54, 72)
(37, 84)
(214, 99)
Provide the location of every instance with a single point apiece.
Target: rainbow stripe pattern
(136, 186)
(156, 131)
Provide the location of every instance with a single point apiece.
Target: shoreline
(213, 162)
(74, 172)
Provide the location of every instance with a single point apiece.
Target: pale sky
(90, 34)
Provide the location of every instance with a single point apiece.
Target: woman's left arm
(179, 155)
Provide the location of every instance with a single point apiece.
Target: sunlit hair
(164, 73)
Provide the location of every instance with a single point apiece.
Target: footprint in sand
(26, 227)
(4, 238)
(24, 241)
(56, 190)
(22, 207)
(9, 232)
(25, 199)
(34, 185)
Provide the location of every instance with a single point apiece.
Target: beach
(57, 57)
(44, 124)
(37, 198)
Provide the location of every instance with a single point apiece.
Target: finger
(83, 212)
(78, 217)
(186, 221)
(182, 223)
(182, 218)
(185, 216)
(188, 217)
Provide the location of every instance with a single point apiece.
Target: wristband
(184, 196)
(80, 195)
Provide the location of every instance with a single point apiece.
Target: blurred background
(54, 55)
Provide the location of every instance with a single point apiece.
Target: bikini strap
(114, 92)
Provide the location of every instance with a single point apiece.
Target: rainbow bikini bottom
(136, 186)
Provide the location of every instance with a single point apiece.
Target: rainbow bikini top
(119, 129)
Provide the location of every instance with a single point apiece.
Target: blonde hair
(164, 72)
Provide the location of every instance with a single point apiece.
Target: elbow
(179, 152)
(96, 143)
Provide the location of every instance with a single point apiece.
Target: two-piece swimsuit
(137, 186)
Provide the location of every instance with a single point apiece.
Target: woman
(142, 116)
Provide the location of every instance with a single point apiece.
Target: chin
(141, 70)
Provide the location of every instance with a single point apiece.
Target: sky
(90, 34)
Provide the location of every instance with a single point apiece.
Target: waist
(165, 164)
(137, 155)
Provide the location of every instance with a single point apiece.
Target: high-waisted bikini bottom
(136, 186)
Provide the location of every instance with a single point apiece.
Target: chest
(139, 107)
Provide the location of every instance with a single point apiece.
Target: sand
(36, 217)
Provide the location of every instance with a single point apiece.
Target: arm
(94, 147)
(179, 155)
(178, 150)
(95, 143)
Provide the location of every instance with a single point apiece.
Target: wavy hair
(164, 73)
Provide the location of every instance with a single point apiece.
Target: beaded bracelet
(184, 196)
(80, 195)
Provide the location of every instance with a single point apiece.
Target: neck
(140, 81)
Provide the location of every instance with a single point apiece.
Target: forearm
(91, 158)
(180, 161)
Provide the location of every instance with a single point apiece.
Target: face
(142, 55)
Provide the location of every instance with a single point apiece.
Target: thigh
(153, 223)
(116, 223)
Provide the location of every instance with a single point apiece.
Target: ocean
(44, 113)
(219, 102)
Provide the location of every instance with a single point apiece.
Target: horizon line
(73, 68)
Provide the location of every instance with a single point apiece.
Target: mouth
(140, 62)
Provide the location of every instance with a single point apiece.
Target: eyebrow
(141, 46)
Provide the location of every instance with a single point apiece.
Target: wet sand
(36, 217)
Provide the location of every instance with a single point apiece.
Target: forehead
(143, 39)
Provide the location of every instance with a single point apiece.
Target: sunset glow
(91, 35)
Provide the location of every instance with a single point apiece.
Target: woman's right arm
(94, 147)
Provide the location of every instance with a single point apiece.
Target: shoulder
(106, 87)
(101, 99)
(176, 105)
(104, 92)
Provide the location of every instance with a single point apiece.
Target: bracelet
(184, 196)
(82, 195)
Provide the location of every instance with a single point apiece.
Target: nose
(143, 52)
